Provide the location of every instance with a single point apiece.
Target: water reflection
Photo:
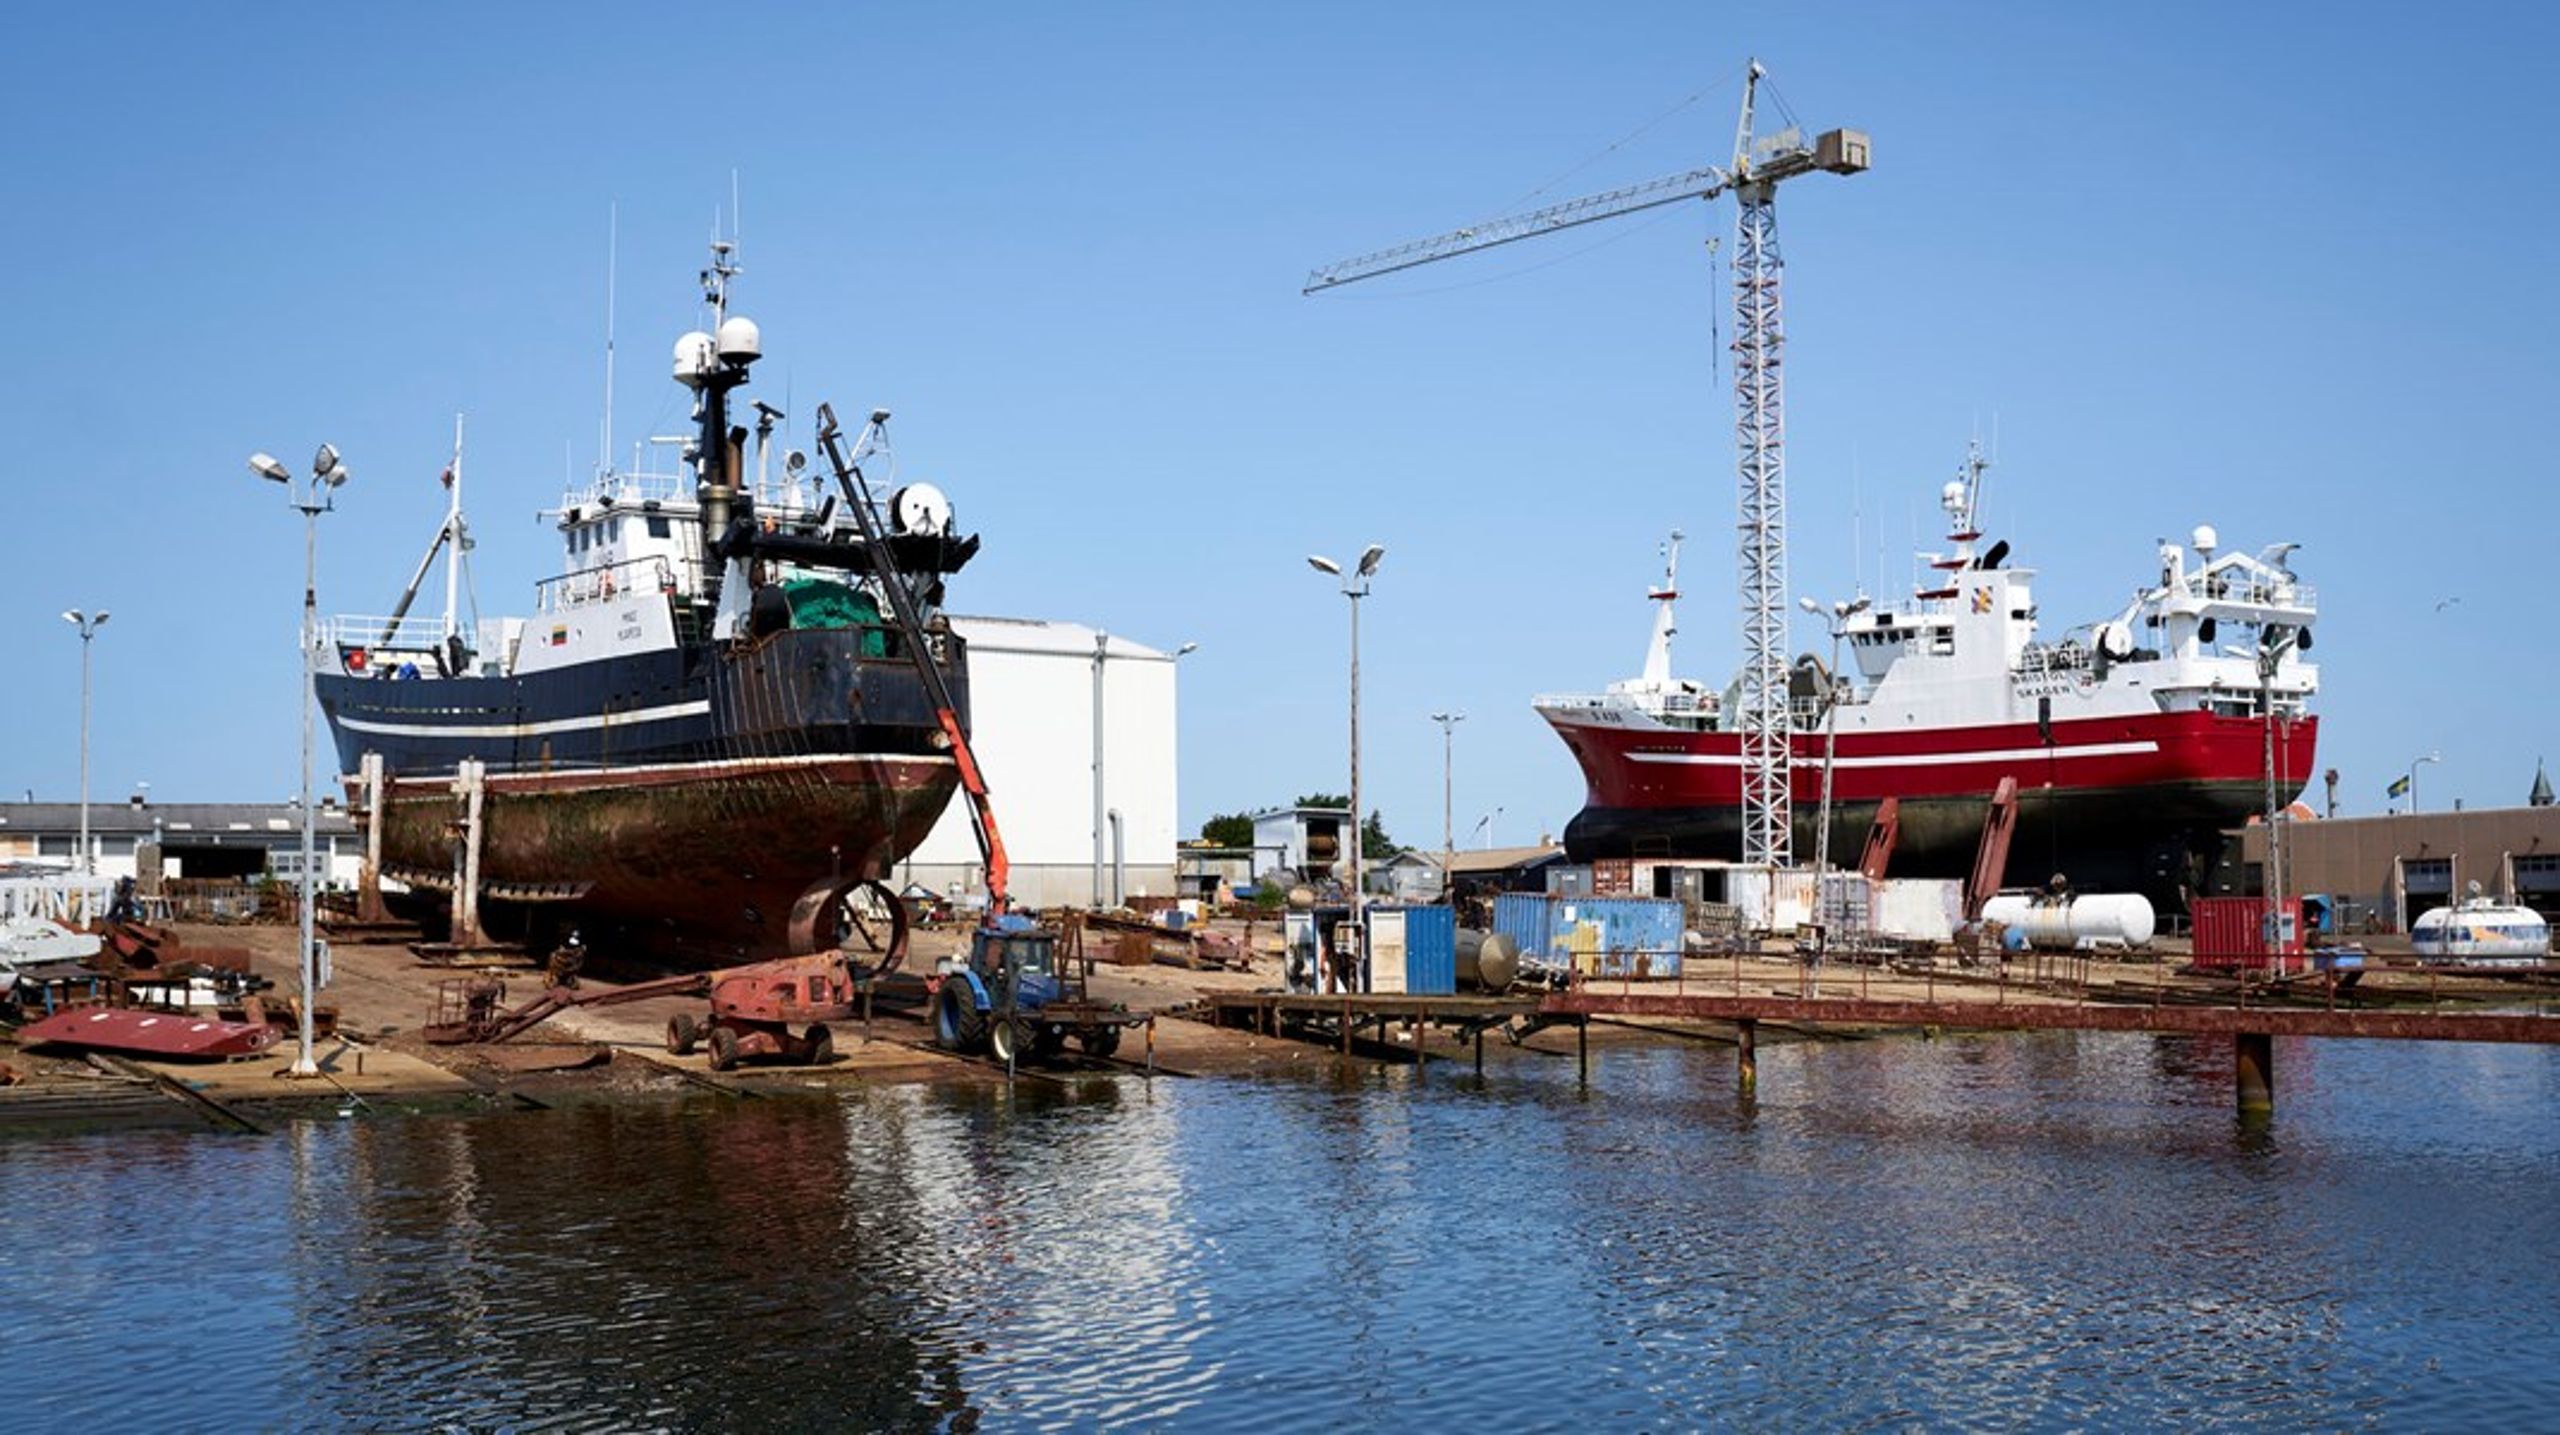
(2018, 1231)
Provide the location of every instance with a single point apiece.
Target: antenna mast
(612, 254)
(453, 532)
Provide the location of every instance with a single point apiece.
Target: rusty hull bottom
(697, 863)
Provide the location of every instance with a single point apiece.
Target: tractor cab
(1019, 961)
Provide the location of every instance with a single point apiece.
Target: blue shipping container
(1593, 936)
(1430, 948)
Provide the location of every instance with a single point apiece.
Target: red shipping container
(2231, 935)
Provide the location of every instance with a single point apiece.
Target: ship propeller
(861, 918)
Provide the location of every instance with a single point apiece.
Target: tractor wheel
(1008, 1039)
(682, 1033)
(724, 1048)
(1047, 1041)
(818, 1047)
(957, 1023)
(1099, 1041)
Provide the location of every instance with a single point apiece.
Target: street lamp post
(1840, 614)
(1448, 828)
(1355, 586)
(312, 497)
(88, 624)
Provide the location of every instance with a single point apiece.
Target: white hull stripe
(1913, 759)
(699, 707)
(712, 767)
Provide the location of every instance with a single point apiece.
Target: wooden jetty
(2252, 1025)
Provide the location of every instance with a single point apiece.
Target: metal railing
(611, 583)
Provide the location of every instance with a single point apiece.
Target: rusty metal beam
(2029, 1016)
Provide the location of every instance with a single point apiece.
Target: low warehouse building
(2393, 868)
(1074, 729)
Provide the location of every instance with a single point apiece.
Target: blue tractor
(1014, 1000)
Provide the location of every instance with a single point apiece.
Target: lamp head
(1370, 557)
(337, 475)
(325, 460)
(1853, 607)
(1809, 605)
(99, 621)
(1186, 648)
(1324, 565)
(72, 616)
(264, 465)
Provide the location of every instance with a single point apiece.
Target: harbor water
(2011, 1232)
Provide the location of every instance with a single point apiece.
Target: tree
(1228, 829)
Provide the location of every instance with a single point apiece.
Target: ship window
(657, 526)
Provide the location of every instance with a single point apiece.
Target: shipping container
(1592, 936)
(1413, 950)
(1777, 901)
(1848, 902)
(1919, 909)
(2231, 934)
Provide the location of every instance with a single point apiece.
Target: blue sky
(2281, 269)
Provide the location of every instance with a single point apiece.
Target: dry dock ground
(383, 995)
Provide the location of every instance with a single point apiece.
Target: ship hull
(2125, 802)
(676, 802)
(697, 861)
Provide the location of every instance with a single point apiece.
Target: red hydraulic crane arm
(902, 605)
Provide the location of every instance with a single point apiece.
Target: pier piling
(1747, 1055)
(2253, 1062)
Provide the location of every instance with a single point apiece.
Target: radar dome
(693, 359)
(741, 342)
(1952, 496)
(2205, 539)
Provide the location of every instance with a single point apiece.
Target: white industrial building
(1074, 729)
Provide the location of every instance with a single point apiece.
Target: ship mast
(1657, 654)
(453, 533)
(712, 364)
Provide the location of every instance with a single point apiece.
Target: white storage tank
(2098, 919)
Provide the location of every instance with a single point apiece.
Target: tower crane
(1759, 165)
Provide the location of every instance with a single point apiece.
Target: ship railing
(609, 583)
(619, 488)
(412, 633)
(2070, 657)
(2251, 590)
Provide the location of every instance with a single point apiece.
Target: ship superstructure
(2133, 740)
(706, 716)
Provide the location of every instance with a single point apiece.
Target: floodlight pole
(1355, 586)
(312, 498)
(1448, 828)
(88, 624)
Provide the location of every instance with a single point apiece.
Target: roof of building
(1039, 635)
(1502, 859)
(1343, 813)
(198, 818)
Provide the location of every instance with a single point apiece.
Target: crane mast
(1759, 164)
